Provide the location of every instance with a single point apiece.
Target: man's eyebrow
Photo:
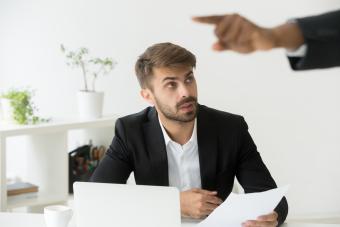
(175, 78)
(189, 73)
(169, 78)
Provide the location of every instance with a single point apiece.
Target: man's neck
(180, 132)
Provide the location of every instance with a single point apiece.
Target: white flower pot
(90, 105)
(7, 110)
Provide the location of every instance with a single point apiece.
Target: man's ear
(147, 96)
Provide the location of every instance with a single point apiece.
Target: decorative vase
(90, 104)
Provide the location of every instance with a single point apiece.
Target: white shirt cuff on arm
(299, 52)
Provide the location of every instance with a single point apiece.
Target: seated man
(181, 143)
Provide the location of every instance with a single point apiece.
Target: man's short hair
(161, 55)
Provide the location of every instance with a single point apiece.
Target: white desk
(37, 220)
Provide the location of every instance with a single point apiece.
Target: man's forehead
(177, 72)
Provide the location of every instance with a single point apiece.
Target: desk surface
(37, 220)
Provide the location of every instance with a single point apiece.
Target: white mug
(57, 215)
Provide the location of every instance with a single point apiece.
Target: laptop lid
(120, 205)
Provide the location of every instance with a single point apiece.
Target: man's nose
(184, 91)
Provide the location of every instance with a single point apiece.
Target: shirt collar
(167, 139)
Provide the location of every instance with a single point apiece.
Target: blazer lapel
(207, 149)
(156, 149)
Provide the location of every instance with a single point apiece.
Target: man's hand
(198, 203)
(239, 34)
(269, 220)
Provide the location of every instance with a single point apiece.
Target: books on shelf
(19, 188)
(22, 199)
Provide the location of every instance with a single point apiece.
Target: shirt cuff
(299, 52)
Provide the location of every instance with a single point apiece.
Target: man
(312, 42)
(180, 143)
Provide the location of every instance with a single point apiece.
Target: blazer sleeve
(116, 166)
(252, 173)
(322, 36)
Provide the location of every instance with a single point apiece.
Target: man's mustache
(186, 100)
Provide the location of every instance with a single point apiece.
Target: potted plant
(90, 102)
(18, 107)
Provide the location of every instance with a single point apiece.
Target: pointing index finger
(215, 19)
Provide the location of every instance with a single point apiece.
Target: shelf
(46, 149)
(54, 126)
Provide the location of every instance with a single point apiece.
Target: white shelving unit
(46, 153)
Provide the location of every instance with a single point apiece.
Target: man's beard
(175, 115)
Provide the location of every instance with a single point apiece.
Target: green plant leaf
(23, 107)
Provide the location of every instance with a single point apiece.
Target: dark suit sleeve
(116, 166)
(322, 36)
(252, 173)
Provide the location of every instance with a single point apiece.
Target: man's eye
(171, 85)
(189, 79)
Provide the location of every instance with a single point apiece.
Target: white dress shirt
(183, 161)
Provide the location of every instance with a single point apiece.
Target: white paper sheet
(238, 208)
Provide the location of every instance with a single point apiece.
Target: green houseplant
(90, 101)
(19, 108)
(94, 67)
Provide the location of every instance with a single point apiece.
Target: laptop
(120, 205)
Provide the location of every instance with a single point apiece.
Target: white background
(294, 117)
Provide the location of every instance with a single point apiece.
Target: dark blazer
(322, 36)
(225, 150)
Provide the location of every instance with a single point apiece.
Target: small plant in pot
(18, 107)
(90, 102)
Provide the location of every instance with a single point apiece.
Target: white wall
(293, 117)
